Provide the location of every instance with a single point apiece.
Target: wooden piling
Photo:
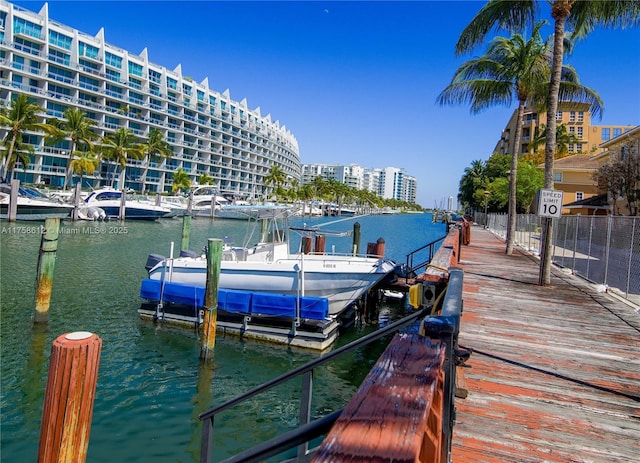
(69, 398)
(123, 205)
(356, 238)
(76, 201)
(306, 244)
(379, 248)
(186, 232)
(214, 256)
(320, 243)
(13, 200)
(46, 264)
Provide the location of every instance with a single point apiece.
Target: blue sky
(355, 82)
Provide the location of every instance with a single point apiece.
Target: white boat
(109, 200)
(32, 204)
(269, 267)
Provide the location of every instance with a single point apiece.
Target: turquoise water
(151, 384)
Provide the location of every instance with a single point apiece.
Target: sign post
(550, 203)
(549, 206)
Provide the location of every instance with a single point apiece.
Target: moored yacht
(110, 200)
(32, 204)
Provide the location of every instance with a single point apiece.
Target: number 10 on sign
(550, 203)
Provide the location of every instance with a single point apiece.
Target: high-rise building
(388, 182)
(210, 134)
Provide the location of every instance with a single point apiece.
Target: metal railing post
(305, 408)
(205, 440)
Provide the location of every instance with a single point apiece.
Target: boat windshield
(29, 192)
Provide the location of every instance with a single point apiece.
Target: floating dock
(279, 318)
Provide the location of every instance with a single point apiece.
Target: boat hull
(35, 212)
(313, 276)
(132, 211)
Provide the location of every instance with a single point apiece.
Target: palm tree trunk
(513, 179)
(6, 164)
(559, 11)
(67, 177)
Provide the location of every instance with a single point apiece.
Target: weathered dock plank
(555, 373)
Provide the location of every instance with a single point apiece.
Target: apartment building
(388, 182)
(578, 121)
(210, 134)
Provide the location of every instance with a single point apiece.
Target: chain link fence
(602, 249)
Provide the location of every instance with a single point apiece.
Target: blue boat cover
(235, 301)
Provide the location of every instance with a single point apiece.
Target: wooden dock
(555, 372)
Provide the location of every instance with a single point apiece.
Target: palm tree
(205, 179)
(512, 69)
(155, 145)
(83, 162)
(21, 116)
(563, 139)
(583, 17)
(77, 127)
(119, 147)
(474, 179)
(275, 177)
(181, 181)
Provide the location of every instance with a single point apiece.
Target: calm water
(151, 384)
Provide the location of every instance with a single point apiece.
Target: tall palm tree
(119, 147)
(512, 69)
(78, 128)
(21, 116)
(155, 145)
(581, 16)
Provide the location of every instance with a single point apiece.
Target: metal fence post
(589, 248)
(633, 235)
(575, 246)
(606, 249)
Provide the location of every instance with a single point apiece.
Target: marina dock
(555, 371)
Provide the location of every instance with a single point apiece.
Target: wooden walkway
(555, 373)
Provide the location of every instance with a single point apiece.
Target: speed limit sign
(550, 203)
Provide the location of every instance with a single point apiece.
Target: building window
(580, 133)
(617, 132)
(155, 76)
(89, 51)
(579, 147)
(572, 129)
(59, 40)
(606, 134)
(581, 116)
(135, 69)
(558, 116)
(113, 60)
(557, 177)
(571, 148)
(112, 75)
(572, 116)
(22, 26)
(59, 57)
(579, 195)
(26, 46)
